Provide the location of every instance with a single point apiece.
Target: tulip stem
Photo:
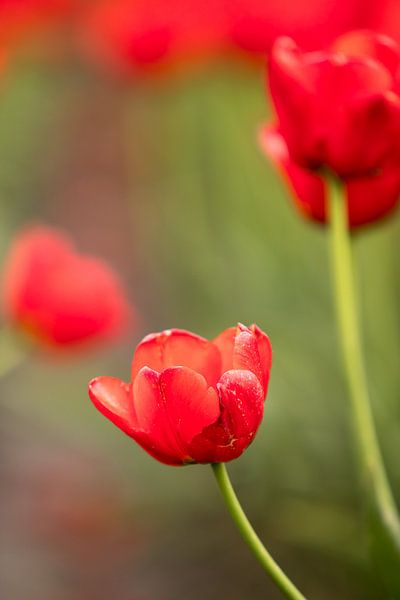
(250, 537)
(369, 455)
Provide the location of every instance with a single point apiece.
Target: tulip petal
(238, 347)
(242, 401)
(152, 416)
(113, 398)
(307, 188)
(364, 43)
(292, 92)
(177, 347)
(225, 342)
(265, 352)
(369, 198)
(153, 448)
(190, 403)
(373, 198)
(365, 134)
(245, 352)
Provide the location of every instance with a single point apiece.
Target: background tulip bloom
(312, 23)
(18, 17)
(57, 295)
(137, 35)
(338, 111)
(191, 400)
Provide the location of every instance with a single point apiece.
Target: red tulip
(338, 111)
(191, 400)
(138, 34)
(57, 295)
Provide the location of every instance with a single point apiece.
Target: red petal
(370, 198)
(175, 348)
(145, 441)
(365, 135)
(245, 352)
(225, 342)
(307, 188)
(292, 91)
(366, 43)
(256, 23)
(153, 419)
(238, 347)
(190, 403)
(113, 398)
(265, 352)
(242, 400)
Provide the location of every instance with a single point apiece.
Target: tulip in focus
(60, 297)
(338, 112)
(191, 400)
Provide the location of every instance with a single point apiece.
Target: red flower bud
(340, 109)
(59, 296)
(191, 400)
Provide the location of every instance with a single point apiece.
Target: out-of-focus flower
(58, 296)
(384, 16)
(136, 35)
(17, 17)
(255, 24)
(338, 111)
(191, 400)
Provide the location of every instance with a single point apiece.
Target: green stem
(368, 451)
(250, 536)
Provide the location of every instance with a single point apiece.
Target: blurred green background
(165, 180)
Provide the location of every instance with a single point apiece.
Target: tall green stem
(369, 455)
(251, 538)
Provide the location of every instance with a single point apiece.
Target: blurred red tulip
(255, 24)
(19, 16)
(191, 400)
(338, 111)
(133, 35)
(137, 34)
(60, 297)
